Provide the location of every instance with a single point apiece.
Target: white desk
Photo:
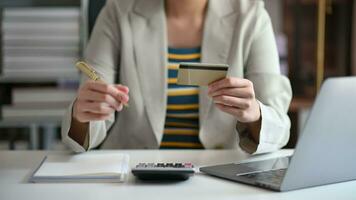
(16, 166)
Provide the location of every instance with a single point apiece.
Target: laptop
(325, 152)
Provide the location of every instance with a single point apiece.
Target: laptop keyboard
(274, 177)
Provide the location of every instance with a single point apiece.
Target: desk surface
(16, 166)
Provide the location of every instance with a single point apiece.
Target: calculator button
(160, 165)
(169, 165)
(188, 165)
(150, 165)
(141, 165)
(178, 165)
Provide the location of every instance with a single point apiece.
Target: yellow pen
(90, 72)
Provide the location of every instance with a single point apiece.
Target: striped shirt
(181, 129)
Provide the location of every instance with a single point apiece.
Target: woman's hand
(97, 101)
(236, 96)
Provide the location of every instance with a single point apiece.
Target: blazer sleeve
(273, 90)
(103, 53)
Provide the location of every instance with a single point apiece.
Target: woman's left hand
(236, 96)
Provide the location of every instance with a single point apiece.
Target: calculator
(163, 171)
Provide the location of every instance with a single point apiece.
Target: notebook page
(85, 164)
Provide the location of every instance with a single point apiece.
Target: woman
(140, 42)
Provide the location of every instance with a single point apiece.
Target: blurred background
(40, 41)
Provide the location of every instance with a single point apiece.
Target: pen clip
(88, 70)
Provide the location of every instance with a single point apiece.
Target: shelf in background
(299, 103)
(39, 78)
(300, 22)
(70, 39)
(16, 3)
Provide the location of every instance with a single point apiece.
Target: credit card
(200, 74)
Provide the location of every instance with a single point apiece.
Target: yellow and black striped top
(181, 129)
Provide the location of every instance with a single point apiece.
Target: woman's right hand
(97, 101)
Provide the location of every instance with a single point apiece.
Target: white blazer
(129, 41)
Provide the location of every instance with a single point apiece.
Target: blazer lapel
(149, 31)
(218, 34)
(149, 37)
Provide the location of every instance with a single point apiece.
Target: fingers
(123, 88)
(228, 109)
(230, 82)
(118, 94)
(240, 114)
(236, 96)
(98, 101)
(95, 107)
(87, 111)
(232, 101)
(86, 117)
(235, 92)
(232, 92)
(94, 96)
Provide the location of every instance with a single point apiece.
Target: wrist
(257, 111)
(75, 113)
(253, 127)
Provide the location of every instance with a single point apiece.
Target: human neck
(185, 8)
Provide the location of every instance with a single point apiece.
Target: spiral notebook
(85, 167)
